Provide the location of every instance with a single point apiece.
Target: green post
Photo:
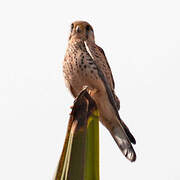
(80, 156)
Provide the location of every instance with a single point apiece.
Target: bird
(85, 65)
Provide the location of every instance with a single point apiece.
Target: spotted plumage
(85, 64)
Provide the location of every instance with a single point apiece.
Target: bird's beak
(78, 29)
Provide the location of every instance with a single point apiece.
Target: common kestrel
(85, 64)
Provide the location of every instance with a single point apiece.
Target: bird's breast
(79, 68)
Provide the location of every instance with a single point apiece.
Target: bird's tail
(123, 142)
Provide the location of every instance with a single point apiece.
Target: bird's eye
(72, 26)
(88, 28)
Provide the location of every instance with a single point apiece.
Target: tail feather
(124, 144)
(127, 131)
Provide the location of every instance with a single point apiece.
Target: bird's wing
(99, 57)
(101, 61)
(119, 133)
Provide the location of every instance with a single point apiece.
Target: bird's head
(81, 30)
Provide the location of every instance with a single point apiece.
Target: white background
(141, 40)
